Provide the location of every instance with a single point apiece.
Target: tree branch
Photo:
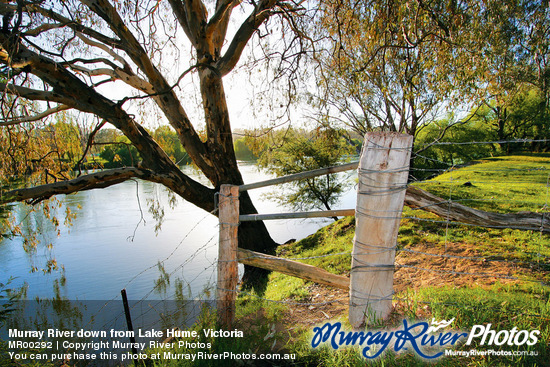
(103, 47)
(90, 61)
(216, 28)
(48, 13)
(31, 94)
(222, 9)
(119, 74)
(191, 15)
(420, 199)
(40, 116)
(179, 183)
(261, 12)
(42, 28)
(92, 181)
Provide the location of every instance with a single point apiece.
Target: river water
(112, 243)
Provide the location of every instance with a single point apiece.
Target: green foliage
(120, 153)
(443, 155)
(48, 149)
(167, 138)
(67, 140)
(117, 151)
(524, 117)
(299, 152)
(243, 151)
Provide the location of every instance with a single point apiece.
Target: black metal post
(129, 322)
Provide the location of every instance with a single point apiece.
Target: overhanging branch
(87, 182)
(176, 181)
(39, 116)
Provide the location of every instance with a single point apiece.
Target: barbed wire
(458, 182)
(478, 274)
(159, 285)
(162, 261)
(472, 225)
(286, 302)
(512, 141)
(399, 248)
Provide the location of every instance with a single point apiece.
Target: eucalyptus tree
(382, 69)
(71, 55)
(397, 65)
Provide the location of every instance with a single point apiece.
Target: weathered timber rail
(293, 268)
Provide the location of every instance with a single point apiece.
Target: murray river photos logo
(422, 337)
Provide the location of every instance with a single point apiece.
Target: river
(112, 243)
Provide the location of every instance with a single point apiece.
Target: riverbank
(471, 275)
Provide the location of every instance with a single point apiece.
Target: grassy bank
(448, 270)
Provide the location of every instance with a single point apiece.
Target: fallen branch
(419, 199)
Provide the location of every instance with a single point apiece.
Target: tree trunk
(252, 235)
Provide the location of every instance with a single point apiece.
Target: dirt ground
(415, 270)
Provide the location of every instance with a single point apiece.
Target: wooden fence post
(227, 254)
(383, 174)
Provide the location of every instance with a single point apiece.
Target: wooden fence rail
(293, 268)
(300, 176)
(318, 214)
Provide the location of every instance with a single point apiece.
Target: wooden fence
(383, 171)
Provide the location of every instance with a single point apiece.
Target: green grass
(505, 184)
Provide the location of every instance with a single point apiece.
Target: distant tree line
(58, 148)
